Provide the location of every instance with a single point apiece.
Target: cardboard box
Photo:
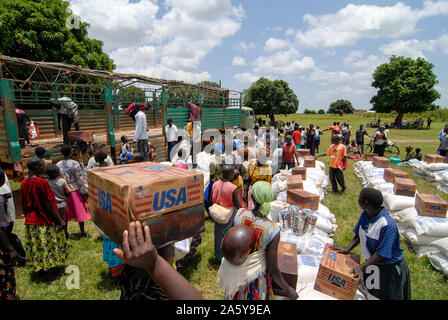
(334, 277)
(303, 199)
(168, 199)
(294, 182)
(391, 174)
(287, 264)
(369, 156)
(303, 153)
(405, 187)
(380, 162)
(430, 205)
(309, 162)
(86, 136)
(300, 171)
(434, 158)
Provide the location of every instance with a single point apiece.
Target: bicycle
(391, 151)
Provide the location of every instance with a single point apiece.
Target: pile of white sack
(372, 177)
(427, 236)
(309, 248)
(434, 172)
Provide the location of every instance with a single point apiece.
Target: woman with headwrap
(252, 280)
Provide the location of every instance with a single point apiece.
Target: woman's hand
(137, 248)
(340, 250)
(358, 271)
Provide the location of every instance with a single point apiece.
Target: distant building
(359, 111)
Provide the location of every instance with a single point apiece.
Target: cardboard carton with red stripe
(334, 277)
(168, 199)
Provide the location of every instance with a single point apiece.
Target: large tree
(404, 85)
(269, 98)
(341, 107)
(38, 30)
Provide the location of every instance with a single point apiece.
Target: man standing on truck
(67, 111)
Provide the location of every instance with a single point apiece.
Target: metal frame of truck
(168, 99)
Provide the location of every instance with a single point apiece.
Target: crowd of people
(237, 199)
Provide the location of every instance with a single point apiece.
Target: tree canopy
(38, 30)
(269, 98)
(341, 107)
(308, 111)
(404, 85)
(321, 111)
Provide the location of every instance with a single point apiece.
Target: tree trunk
(272, 117)
(399, 119)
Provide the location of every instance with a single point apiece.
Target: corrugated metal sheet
(212, 118)
(4, 148)
(180, 116)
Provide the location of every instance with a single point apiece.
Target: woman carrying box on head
(377, 233)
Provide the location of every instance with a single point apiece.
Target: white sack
(439, 261)
(429, 226)
(307, 267)
(326, 213)
(396, 203)
(420, 240)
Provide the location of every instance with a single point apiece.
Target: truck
(102, 98)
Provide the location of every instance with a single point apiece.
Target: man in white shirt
(141, 134)
(171, 135)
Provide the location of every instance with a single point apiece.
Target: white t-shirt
(140, 126)
(5, 189)
(171, 133)
(92, 163)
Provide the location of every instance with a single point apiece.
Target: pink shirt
(223, 193)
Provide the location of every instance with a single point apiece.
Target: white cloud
(339, 77)
(414, 48)
(356, 59)
(283, 63)
(171, 46)
(246, 78)
(354, 22)
(273, 44)
(245, 46)
(238, 61)
(342, 92)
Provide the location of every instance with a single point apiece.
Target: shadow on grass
(107, 282)
(190, 267)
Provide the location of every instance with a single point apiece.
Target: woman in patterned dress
(46, 246)
(253, 279)
(72, 172)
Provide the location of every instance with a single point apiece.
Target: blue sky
(326, 50)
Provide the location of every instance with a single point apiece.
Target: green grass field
(427, 283)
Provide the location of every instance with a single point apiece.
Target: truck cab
(247, 117)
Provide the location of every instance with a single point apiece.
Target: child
(409, 153)
(418, 154)
(126, 147)
(40, 153)
(61, 190)
(353, 148)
